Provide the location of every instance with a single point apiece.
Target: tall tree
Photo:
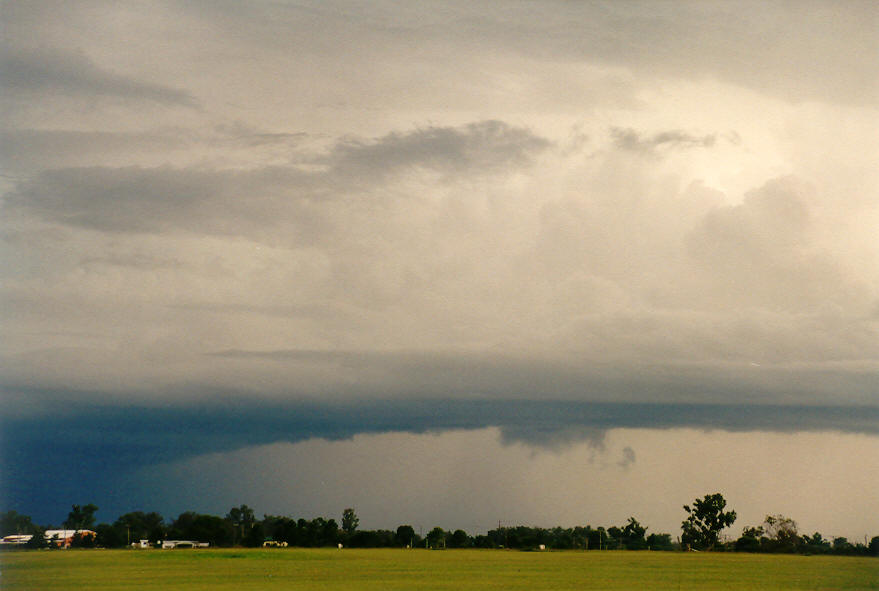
(350, 521)
(633, 535)
(405, 536)
(782, 532)
(242, 520)
(81, 517)
(705, 520)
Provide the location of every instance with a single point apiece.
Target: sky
(449, 263)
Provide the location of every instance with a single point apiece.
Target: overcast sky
(449, 263)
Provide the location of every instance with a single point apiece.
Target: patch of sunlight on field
(459, 570)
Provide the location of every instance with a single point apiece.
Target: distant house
(169, 544)
(16, 539)
(63, 538)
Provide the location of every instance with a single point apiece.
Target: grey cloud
(482, 147)
(552, 436)
(348, 357)
(324, 312)
(229, 202)
(134, 199)
(140, 261)
(629, 139)
(628, 457)
(31, 150)
(368, 374)
(252, 136)
(797, 50)
(67, 72)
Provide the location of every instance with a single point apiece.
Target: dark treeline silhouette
(239, 527)
(778, 534)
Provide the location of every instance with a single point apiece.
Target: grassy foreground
(385, 569)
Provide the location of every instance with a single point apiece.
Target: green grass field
(460, 570)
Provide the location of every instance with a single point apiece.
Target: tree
(842, 546)
(12, 522)
(614, 538)
(320, 532)
(81, 517)
(705, 520)
(437, 538)
(350, 521)
(210, 528)
(816, 543)
(633, 535)
(83, 540)
(54, 542)
(110, 536)
(751, 540)
(38, 540)
(596, 539)
(782, 532)
(405, 536)
(255, 537)
(459, 539)
(330, 533)
(280, 529)
(659, 542)
(138, 525)
(242, 520)
(202, 528)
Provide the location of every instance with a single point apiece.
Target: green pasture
(458, 570)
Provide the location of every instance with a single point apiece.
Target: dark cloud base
(84, 453)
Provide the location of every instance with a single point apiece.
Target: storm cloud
(111, 444)
(244, 231)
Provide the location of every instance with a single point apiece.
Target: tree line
(701, 530)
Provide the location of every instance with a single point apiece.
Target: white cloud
(478, 239)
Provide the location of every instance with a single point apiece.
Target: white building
(64, 537)
(16, 539)
(168, 544)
